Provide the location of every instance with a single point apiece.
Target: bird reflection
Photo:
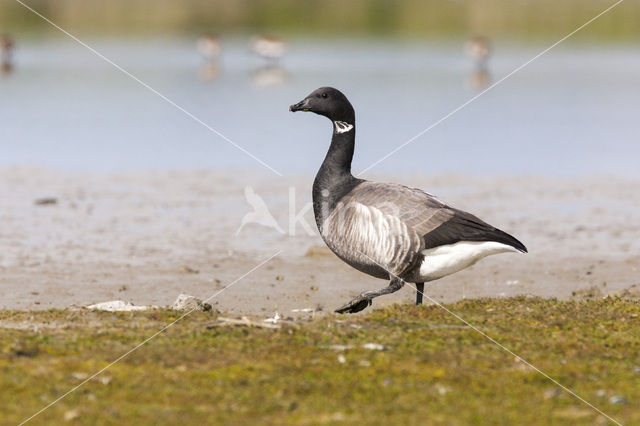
(209, 71)
(6, 54)
(210, 47)
(479, 79)
(269, 75)
(478, 48)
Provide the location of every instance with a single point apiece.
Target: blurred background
(238, 65)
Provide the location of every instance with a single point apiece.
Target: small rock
(79, 376)
(618, 400)
(26, 350)
(46, 201)
(341, 359)
(374, 346)
(274, 319)
(340, 347)
(188, 270)
(118, 306)
(442, 390)
(630, 293)
(552, 393)
(185, 302)
(71, 414)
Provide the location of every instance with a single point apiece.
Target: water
(573, 112)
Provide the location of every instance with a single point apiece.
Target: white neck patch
(342, 126)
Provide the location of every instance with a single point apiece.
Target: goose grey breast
(380, 227)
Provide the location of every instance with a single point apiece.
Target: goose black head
(328, 102)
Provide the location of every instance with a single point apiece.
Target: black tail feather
(464, 226)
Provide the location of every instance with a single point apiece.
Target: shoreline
(145, 237)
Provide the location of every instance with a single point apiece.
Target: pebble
(46, 201)
(71, 415)
(79, 376)
(340, 347)
(374, 346)
(188, 270)
(185, 302)
(442, 390)
(118, 306)
(618, 400)
(552, 393)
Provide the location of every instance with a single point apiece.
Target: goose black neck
(337, 162)
(334, 179)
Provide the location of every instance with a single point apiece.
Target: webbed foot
(356, 305)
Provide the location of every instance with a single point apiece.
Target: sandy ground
(145, 237)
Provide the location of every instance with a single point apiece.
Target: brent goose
(388, 230)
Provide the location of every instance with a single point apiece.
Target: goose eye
(324, 95)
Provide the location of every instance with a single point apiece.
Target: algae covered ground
(399, 365)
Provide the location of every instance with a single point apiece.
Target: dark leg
(420, 288)
(363, 300)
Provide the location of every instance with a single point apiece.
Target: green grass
(431, 371)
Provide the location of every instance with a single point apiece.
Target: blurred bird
(478, 48)
(269, 47)
(6, 42)
(209, 46)
(6, 53)
(6, 46)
